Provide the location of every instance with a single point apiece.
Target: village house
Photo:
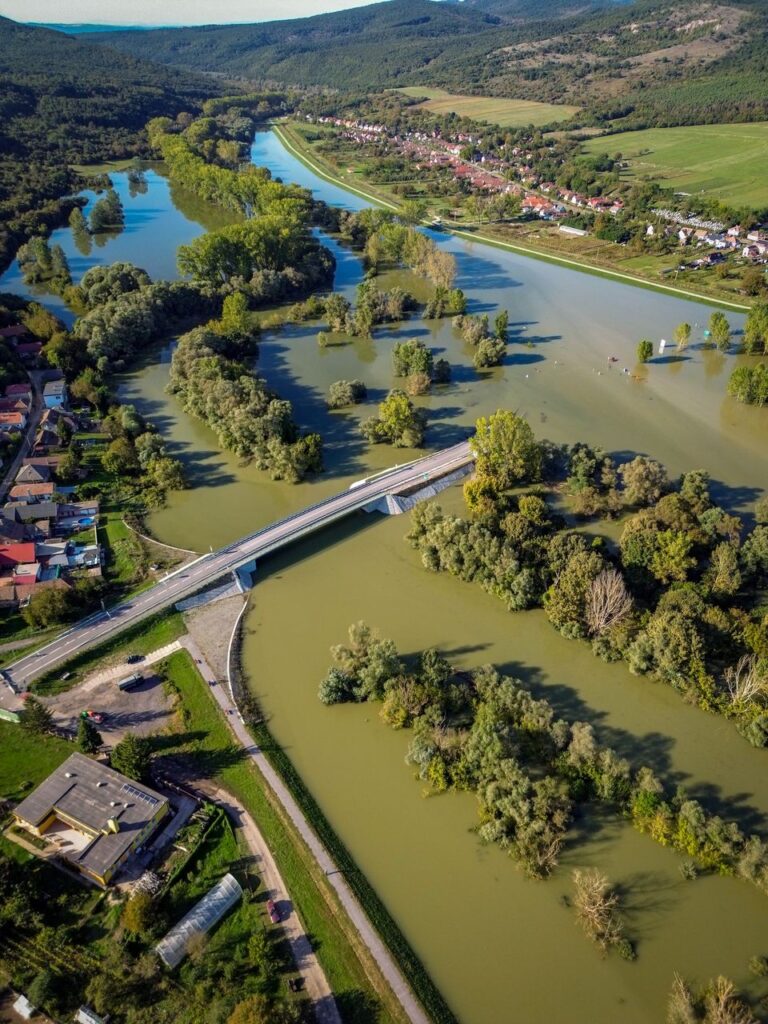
(55, 394)
(33, 475)
(12, 422)
(13, 332)
(32, 492)
(94, 818)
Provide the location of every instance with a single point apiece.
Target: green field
(728, 161)
(507, 113)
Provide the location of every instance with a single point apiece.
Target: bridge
(206, 570)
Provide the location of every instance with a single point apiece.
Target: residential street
(29, 435)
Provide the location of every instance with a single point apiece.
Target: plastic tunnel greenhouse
(200, 919)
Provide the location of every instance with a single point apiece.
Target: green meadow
(728, 161)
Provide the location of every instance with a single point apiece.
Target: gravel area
(211, 627)
(142, 710)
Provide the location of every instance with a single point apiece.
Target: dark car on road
(272, 910)
(133, 659)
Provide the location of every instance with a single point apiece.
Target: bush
(644, 350)
(343, 393)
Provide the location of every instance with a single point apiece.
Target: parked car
(274, 916)
(133, 659)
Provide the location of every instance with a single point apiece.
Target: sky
(166, 12)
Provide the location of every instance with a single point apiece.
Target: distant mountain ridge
(85, 28)
(64, 101)
(641, 62)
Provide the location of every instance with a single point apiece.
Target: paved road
(208, 568)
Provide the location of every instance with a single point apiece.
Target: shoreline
(539, 254)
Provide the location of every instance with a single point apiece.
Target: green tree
(41, 991)
(398, 423)
(644, 350)
(236, 319)
(35, 716)
(756, 329)
(412, 356)
(506, 450)
(132, 757)
(88, 736)
(49, 606)
(120, 458)
(753, 281)
(261, 955)
(720, 330)
(501, 325)
(682, 335)
(749, 384)
(644, 479)
(107, 213)
(139, 914)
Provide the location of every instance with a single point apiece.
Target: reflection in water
(501, 948)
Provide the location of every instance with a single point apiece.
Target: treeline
(66, 102)
(530, 770)
(248, 190)
(679, 601)
(749, 384)
(212, 376)
(138, 469)
(388, 239)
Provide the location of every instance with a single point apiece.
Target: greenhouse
(200, 919)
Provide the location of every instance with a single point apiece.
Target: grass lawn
(207, 744)
(143, 638)
(26, 759)
(121, 547)
(507, 113)
(13, 627)
(727, 161)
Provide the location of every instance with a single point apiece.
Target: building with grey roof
(93, 817)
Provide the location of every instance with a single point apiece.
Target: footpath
(315, 982)
(347, 898)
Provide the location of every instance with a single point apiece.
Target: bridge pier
(397, 504)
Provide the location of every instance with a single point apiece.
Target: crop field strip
(504, 112)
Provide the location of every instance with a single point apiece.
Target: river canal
(500, 948)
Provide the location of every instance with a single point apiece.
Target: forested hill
(65, 101)
(642, 62)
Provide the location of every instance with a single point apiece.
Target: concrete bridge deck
(213, 566)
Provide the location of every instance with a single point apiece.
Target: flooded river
(500, 947)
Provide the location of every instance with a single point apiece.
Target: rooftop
(92, 795)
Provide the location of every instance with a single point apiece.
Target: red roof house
(12, 555)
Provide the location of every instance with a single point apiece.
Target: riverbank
(298, 148)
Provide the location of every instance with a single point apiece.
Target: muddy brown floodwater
(501, 948)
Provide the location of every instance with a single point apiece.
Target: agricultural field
(507, 113)
(728, 161)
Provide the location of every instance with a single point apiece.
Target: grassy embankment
(726, 161)
(537, 239)
(206, 744)
(503, 112)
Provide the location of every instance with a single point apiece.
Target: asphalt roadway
(196, 575)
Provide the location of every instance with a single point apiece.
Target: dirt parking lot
(142, 710)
